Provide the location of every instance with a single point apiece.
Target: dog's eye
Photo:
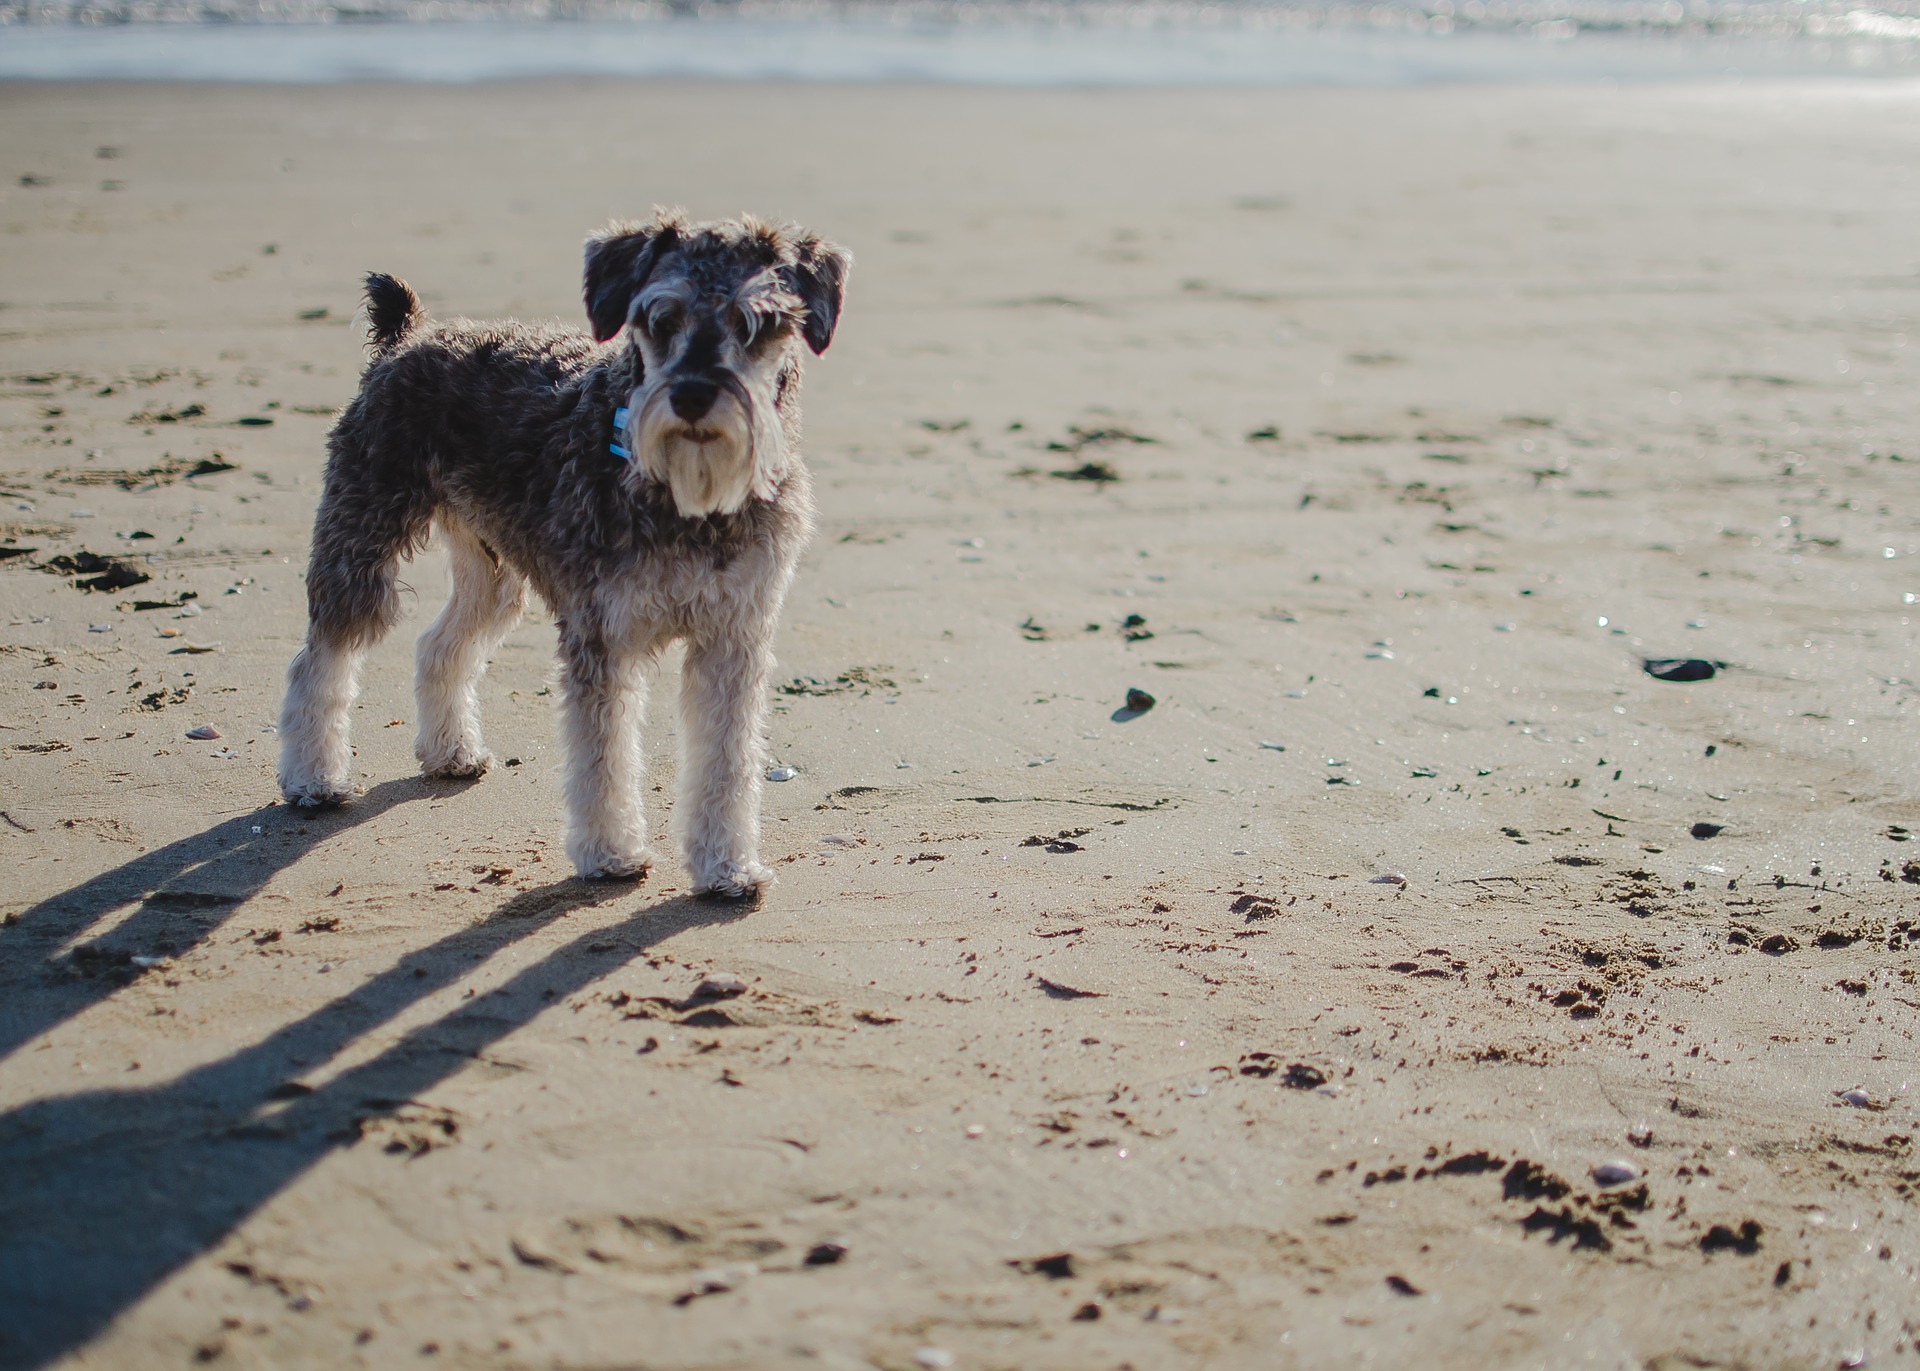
(664, 319)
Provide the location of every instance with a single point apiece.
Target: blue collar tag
(620, 417)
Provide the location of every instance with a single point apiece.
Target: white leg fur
(723, 703)
(605, 701)
(316, 758)
(485, 603)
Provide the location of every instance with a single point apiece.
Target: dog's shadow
(182, 893)
(109, 1192)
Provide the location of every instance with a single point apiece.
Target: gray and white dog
(650, 491)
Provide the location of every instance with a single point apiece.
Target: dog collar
(620, 417)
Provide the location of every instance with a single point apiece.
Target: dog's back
(465, 403)
(473, 384)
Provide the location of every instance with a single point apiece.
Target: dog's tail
(393, 311)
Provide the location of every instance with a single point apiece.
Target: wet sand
(1281, 1024)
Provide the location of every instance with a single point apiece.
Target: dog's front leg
(723, 708)
(606, 688)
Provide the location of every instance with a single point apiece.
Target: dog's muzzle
(696, 437)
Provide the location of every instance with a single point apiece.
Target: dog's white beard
(745, 458)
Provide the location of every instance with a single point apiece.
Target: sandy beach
(1298, 1021)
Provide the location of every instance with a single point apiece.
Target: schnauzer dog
(649, 491)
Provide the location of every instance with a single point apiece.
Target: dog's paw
(464, 763)
(604, 864)
(734, 881)
(316, 794)
(319, 797)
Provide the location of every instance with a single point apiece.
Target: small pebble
(1615, 1173)
(781, 773)
(933, 1358)
(721, 985)
(99, 628)
(1388, 878)
(1856, 1097)
(1682, 669)
(1139, 701)
(204, 733)
(146, 963)
(1640, 1135)
(1273, 746)
(976, 1130)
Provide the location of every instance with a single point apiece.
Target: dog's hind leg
(486, 602)
(723, 688)
(316, 758)
(606, 691)
(351, 603)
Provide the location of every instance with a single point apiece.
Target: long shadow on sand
(184, 891)
(107, 1193)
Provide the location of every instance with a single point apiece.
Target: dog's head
(717, 313)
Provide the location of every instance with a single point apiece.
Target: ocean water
(1409, 42)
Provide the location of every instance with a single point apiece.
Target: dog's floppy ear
(619, 260)
(819, 277)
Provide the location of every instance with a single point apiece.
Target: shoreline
(1032, 56)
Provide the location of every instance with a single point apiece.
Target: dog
(650, 490)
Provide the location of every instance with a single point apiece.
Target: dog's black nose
(692, 399)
